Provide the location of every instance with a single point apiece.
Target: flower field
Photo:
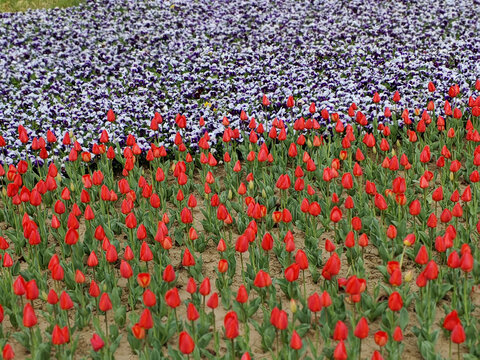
(240, 180)
(291, 244)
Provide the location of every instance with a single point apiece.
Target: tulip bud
(451, 176)
(230, 194)
(374, 150)
(293, 306)
(309, 143)
(250, 185)
(264, 194)
(408, 276)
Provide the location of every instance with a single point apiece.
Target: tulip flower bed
(288, 245)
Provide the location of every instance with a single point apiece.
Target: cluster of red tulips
(290, 244)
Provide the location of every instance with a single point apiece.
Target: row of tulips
(292, 220)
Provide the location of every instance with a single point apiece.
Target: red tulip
(361, 330)
(231, 325)
(29, 317)
(242, 295)
(451, 320)
(66, 302)
(296, 341)
(149, 298)
(192, 313)
(105, 303)
(146, 320)
(422, 255)
(341, 331)
(397, 334)
(212, 302)
(7, 352)
(97, 342)
(172, 298)
(340, 352)
(57, 336)
(381, 338)
(466, 262)
(335, 214)
(332, 267)
(458, 334)
(185, 343)
(292, 272)
(138, 331)
(262, 279)
(395, 302)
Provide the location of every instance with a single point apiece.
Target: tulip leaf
(403, 320)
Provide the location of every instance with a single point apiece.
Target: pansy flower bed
(287, 245)
(63, 69)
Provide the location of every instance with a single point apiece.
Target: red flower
(340, 352)
(231, 325)
(212, 303)
(262, 279)
(292, 272)
(290, 102)
(29, 317)
(125, 270)
(185, 343)
(7, 352)
(341, 331)
(138, 331)
(332, 267)
(242, 295)
(361, 330)
(395, 302)
(466, 262)
(451, 320)
(66, 302)
(422, 255)
(381, 338)
(192, 313)
(146, 320)
(97, 342)
(458, 334)
(131, 221)
(172, 298)
(296, 341)
(145, 252)
(105, 303)
(149, 298)
(58, 337)
(144, 279)
(335, 214)
(397, 334)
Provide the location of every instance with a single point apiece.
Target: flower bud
(451, 176)
(264, 194)
(293, 306)
(408, 276)
(250, 185)
(230, 194)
